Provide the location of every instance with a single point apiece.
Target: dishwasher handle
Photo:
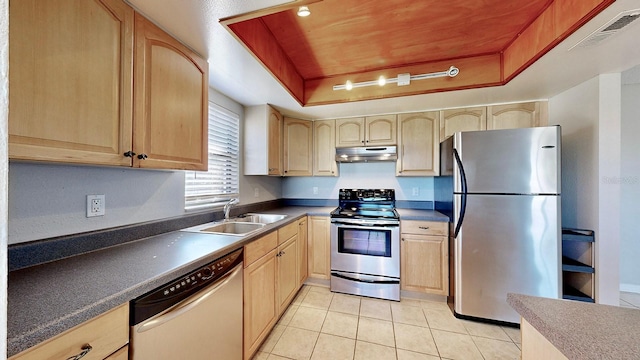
(189, 303)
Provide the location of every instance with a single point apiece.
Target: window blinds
(220, 183)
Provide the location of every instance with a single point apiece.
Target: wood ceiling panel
(490, 41)
(348, 36)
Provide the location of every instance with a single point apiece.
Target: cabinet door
(274, 141)
(454, 120)
(70, 94)
(350, 132)
(171, 102)
(287, 260)
(380, 130)
(423, 264)
(302, 251)
(319, 247)
(512, 116)
(298, 147)
(324, 148)
(419, 148)
(260, 306)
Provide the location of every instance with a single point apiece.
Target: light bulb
(382, 80)
(348, 85)
(304, 11)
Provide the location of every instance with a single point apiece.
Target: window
(220, 184)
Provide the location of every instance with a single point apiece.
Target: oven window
(370, 242)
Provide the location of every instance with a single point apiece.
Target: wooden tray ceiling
(490, 41)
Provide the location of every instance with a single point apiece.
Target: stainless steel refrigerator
(506, 218)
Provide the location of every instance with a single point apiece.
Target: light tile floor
(322, 325)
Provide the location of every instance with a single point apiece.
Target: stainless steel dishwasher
(198, 316)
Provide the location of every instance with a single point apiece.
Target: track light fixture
(401, 80)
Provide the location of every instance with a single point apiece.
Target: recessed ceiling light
(304, 11)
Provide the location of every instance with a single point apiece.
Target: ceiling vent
(612, 27)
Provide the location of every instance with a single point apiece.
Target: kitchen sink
(260, 218)
(227, 228)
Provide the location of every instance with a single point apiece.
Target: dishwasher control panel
(206, 274)
(183, 287)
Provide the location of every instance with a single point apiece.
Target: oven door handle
(339, 275)
(363, 225)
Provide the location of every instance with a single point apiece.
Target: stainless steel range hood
(366, 154)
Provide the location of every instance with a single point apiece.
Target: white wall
(376, 175)
(4, 107)
(630, 182)
(47, 200)
(590, 118)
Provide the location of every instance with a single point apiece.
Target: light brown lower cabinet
(122, 354)
(424, 257)
(319, 241)
(303, 251)
(260, 308)
(107, 334)
(271, 280)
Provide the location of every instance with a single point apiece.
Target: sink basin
(227, 228)
(260, 218)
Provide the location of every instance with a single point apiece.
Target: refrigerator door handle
(463, 203)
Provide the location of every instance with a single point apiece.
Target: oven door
(365, 249)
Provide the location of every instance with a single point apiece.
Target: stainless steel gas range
(365, 244)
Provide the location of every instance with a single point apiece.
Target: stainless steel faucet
(227, 207)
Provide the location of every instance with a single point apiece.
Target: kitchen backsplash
(360, 175)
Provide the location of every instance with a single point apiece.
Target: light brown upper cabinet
(469, 119)
(298, 147)
(170, 103)
(522, 115)
(70, 81)
(324, 148)
(418, 145)
(263, 141)
(369, 131)
(72, 96)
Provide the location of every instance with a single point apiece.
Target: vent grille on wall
(612, 27)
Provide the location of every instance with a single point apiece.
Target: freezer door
(514, 161)
(506, 243)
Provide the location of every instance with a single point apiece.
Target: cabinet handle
(423, 227)
(402, 239)
(129, 154)
(85, 350)
(142, 156)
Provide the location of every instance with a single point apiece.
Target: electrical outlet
(256, 192)
(416, 191)
(95, 205)
(315, 190)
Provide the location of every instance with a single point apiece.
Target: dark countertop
(423, 215)
(582, 330)
(47, 299)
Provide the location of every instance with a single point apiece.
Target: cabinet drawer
(106, 333)
(122, 354)
(285, 233)
(424, 227)
(260, 247)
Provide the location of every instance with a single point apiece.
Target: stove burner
(366, 204)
